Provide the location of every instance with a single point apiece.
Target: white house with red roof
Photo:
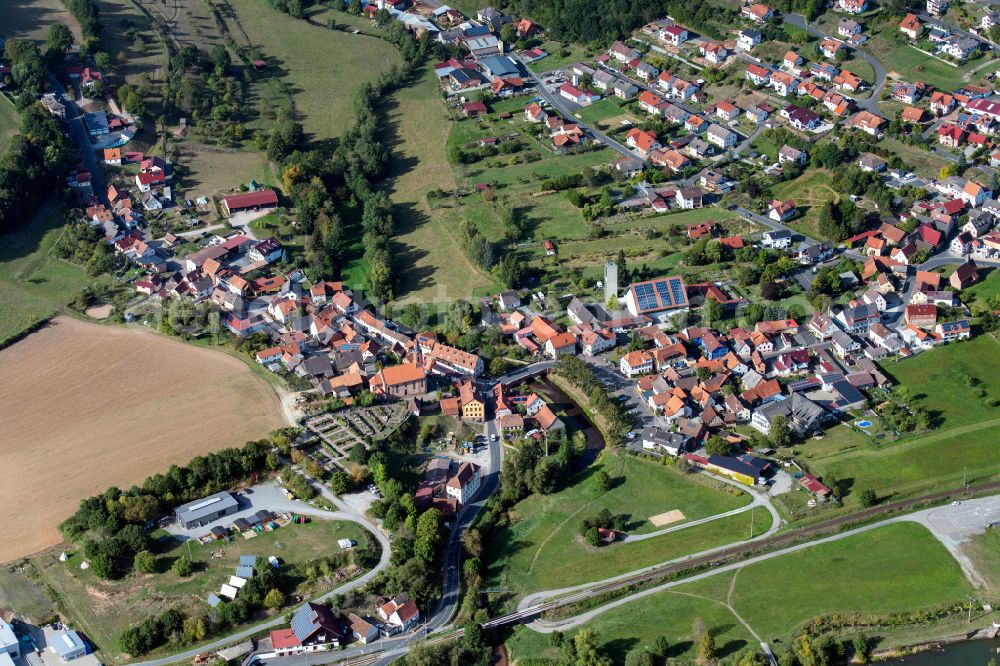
(577, 95)
(643, 142)
(399, 614)
(464, 485)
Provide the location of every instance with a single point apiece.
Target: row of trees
(35, 160)
(105, 519)
(581, 375)
(173, 626)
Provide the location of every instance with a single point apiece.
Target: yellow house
(473, 407)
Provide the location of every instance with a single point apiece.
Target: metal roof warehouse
(203, 511)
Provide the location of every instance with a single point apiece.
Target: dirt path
(88, 405)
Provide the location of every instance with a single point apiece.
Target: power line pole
(971, 599)
(751, 520)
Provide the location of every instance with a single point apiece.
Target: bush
(144, 562)
(183, 566)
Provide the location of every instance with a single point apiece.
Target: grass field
(983, 551)
(9, 123)
(912, 65)
(922, 162)
(104, 608)
(899, 567)
(963, 441)
(937, 380)
(556, 59)
(810, 191)
(120, 394)
(209, 170)
(983, 292)
(31, 18)
(320, 68)
(432, 264)
(605, 113)
(144, 56)
(34, 284)
(543, 548)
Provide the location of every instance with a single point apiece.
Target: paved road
(980, 509)
(75, 120)
(759, 500)
(560, 105)
(871, 103)
(344, 514)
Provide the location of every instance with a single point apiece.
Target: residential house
(779, 211)
(622, 53)
(400, 613)
(636, 363)
(964, 276)
(747, 39)
(869, 123)
(910, 26)
(852, 6)
(674, 35)
(789, 154)
(759, 76)
(757, 13)
(721, 137)
(689, 198)
(942, 103)
(642, 142)
(713, 52)
(951, 135)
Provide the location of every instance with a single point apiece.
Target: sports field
(899, 567)
(89, 406)
(543, 549)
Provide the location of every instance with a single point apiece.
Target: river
(562, 402)
(966, 653)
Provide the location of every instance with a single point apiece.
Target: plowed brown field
(87, 406)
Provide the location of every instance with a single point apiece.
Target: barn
(235, 203)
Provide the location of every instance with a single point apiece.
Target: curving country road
(869, 104)
(280, 619)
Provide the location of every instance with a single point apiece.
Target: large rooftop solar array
(660, 294)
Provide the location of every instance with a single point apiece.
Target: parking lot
(955, 522)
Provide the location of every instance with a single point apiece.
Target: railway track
(731, 553)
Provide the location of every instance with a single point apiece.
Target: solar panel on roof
(677, 288)
(664, 292)
(645, 296)
(302, 623)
